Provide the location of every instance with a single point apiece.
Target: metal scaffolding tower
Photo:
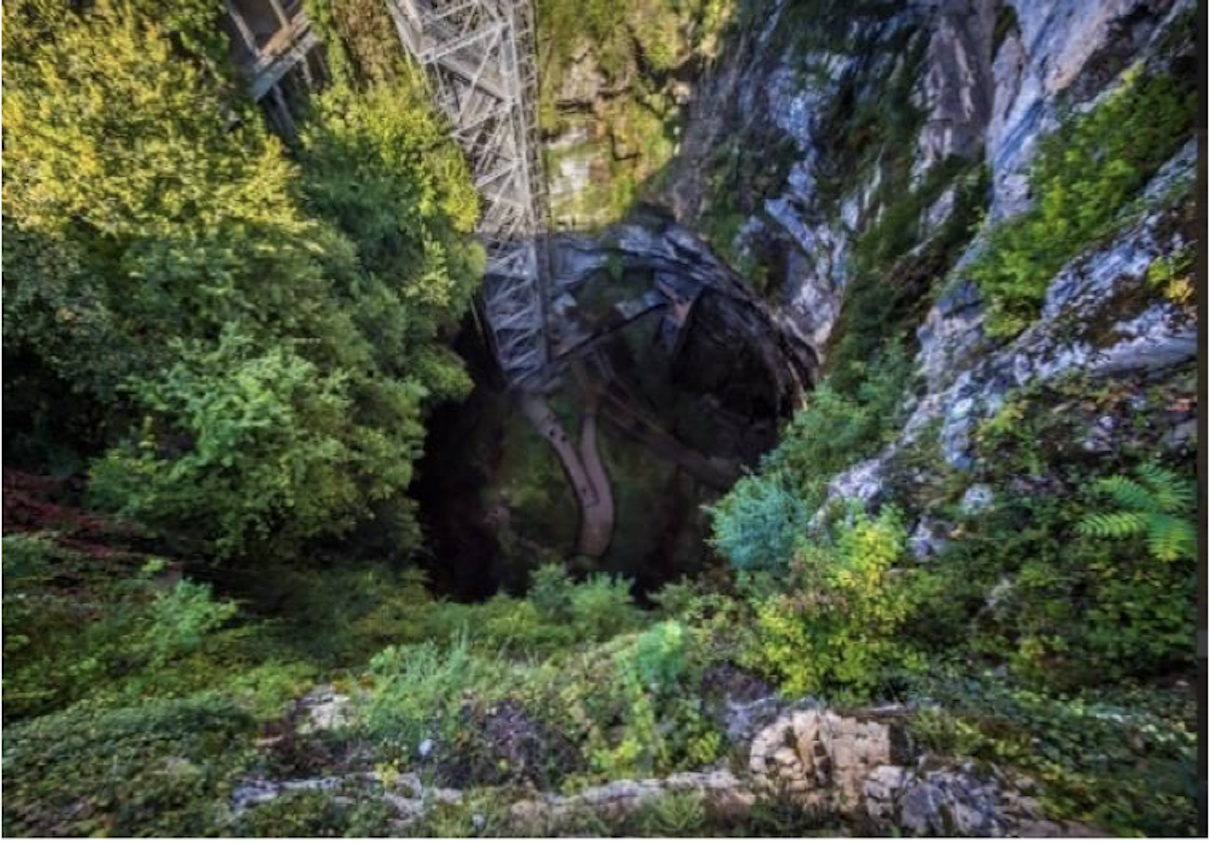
(480, 59)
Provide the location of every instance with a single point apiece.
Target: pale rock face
(1071, 336)
(323, 710)
(967, 378)
(860, 765)
(719, 788)
(1057, 39)
(927, 540)
(863, 482)
(582, 81)
(956, 89)
(823, 757)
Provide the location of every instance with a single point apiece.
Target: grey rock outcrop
(721, 789)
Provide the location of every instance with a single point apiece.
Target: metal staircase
(480, 59)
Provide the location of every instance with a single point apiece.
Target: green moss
(1086, 175)
(896, 268)
(1079, 748)
(162, 768)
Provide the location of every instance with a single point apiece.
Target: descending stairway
(480, 60)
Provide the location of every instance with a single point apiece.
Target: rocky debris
(822, 757)
(960, 801)
(504, 744)
(978, 498)
(927, 540)
(323, 710)
(863, 482)
(747, 704)
(405, 792)
(258, 791)
(412, 799)
(720, 789)
(861, 765)
(947, 802)
(858, 764)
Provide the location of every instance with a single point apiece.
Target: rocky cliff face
(847, 160)
(822, 176)
(873, 100)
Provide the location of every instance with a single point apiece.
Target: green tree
(255, 339)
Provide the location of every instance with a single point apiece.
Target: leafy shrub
(672, 814)
(602, 607)
(660, 726)
(550, 591)
(162, 768)
(1085, 175)
(97, 629)
(757, 525)
(556, 614)
(265, 447)
(839, 629)
(1022, 585)
(659, 656)
(501, 624)
(178, 622)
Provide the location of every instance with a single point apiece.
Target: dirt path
(584, 469)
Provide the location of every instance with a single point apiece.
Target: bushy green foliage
(632, 705)
(109, 633)
(659, 657)
(837, 630)
(416, 694)
(1085, 175)
(602, 607)
(160, 768)
(275, 332)
(757, 524)
(1062, 609)
(265, 432)
(1037, 582)
(558, 613)
(1158, 506)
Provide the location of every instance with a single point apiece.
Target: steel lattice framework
(480, 59)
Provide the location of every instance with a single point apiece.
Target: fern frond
(1155, 475)
(1173, 493)
(1170, 538)
(1127, 493)
(1112, 525)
